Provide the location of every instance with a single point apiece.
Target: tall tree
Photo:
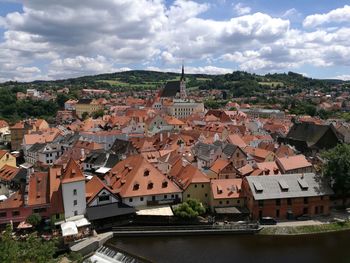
(337, 169)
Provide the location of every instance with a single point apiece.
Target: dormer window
(136, 186)
(150, 185)
(164, 184)
(146, 173)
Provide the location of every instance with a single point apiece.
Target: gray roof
(109, 210)
(202, 150)
(294, 185)
(36, 147)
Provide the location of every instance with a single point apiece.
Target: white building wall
(96, 201)
(137, 201)
(69, 196)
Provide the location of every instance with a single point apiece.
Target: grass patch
(312, 229)
(271, 83)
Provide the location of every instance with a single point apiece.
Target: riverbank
(306, 229)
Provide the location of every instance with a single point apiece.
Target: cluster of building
(161, 151)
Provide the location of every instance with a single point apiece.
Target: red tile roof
(226, 188)
(135, 176)
(190, 174)
(72, 173)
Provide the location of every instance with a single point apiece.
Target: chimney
(161, 137)
(82, 153)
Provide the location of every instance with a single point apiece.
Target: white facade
(136, 201)
(103, 198)
(74, 199)
(183, 109)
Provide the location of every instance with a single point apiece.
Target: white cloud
(337, 15)
(210, 70)
(74, 38)
(241, 9)
(343, 77)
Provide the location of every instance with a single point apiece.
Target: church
(176, 88)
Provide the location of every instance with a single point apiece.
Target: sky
(55, 39)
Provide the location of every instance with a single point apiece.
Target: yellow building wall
(199, 191)
(8, 159)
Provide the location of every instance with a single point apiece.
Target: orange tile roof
(7, 172)
(257, 152)
(268, 168)
(135, 176)
(55, 191)
(38, 189)
(190, 174)
(246, 170)
(93, 187)
(72, 173)
(14, 201)
(293, 162)
(236, 140)
(219, 165)
(226, 188)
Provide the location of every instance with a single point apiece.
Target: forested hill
(151, 79)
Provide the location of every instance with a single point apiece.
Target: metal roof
(288, 186)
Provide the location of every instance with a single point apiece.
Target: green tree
(9, 248)
(98, 114)
(33, 249)
(337, 169)
(34, 219)
(189, 209)
(85, 115)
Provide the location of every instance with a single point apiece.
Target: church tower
(183, 94)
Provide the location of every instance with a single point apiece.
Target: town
(163, 157)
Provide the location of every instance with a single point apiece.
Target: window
(278, 202)
(202, 185)
(103, 198)
(227, 202)
(141, 198)
(261, 203)
(57, 216)
(74, 191)
(220, 202)
(130, 200)
(195, 186)
(238, 201)
(206, 195)
(316, 210)
(277, 213)
(39, 210)
(306, 201)
(165, 196)
(188, 196)
(289, 201)
(75, 202)
(3, 214)
(75, 213)
(305, 211)
(15, 213)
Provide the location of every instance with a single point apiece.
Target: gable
(103, 192)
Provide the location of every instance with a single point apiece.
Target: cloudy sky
(53, 39)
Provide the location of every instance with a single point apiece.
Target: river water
(327, 247)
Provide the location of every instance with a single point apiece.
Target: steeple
(183, 72)
(183, 93)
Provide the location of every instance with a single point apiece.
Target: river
(327, 247)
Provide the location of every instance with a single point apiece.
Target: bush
(189, 209)
(34, 219)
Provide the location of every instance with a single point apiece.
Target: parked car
(267, 221)
(303, 218)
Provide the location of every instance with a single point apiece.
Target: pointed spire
(183, 71)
